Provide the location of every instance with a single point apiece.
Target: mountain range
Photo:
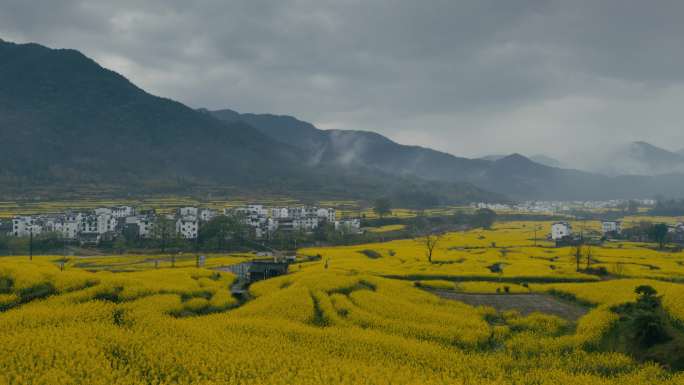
(514, 175)
(70, 126)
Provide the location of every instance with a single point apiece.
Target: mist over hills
(514, 175)
(641, 158)
(546, 161)
(539, 158)
(68, 125)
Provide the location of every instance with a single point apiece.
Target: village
(106, 223)
(551, 207)
(562, 233)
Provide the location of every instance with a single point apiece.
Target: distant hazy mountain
(541, 159)
(493, 158)
(514, 175)
(639, 158)
(546, 160)
(67, 125)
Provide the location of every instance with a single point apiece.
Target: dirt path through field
(524, 303)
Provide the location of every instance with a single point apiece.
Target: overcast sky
(478, 77)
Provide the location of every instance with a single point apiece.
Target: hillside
(637, 158)
(65, 118)
(70, 126)
(515, 175)
(546, 160)
(359, 148)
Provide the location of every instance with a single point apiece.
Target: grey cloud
(468, 77)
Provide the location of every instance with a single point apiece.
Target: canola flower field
(347, 318)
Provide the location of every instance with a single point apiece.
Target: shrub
(37, 291)
(372, 254)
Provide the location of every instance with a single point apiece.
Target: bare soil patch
(524, 303)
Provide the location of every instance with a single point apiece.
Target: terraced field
(347, 318)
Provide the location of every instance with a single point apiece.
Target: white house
(266, 228)
(52, 224)
(188, 212)
(206, 215)
(303, 211)
(559, 230)
(25, 226)
(89, 224)
(611, 227)
(249, 210)
(123, 211)
(305, 223)
(349, 225)
(258, 210)
(187, 227)
(328, 214)
(106, 223)
(144, 223)
(280, 212)
(103, 211)
(71, 226)
(89, 229)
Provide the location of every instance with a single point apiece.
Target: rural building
(5, 227)
(89, 229)
(188, 212)
(328, 214)
(25, 226)
(103, 211)
(280, 213)
(109, 222)
(106, 223)
(352, 226)
(206, 215)
(143, 223)
(71, 226)
(678, 234)
(611, 227)
(560, 230)
(187, 227)
(123, 211)
(259, 270)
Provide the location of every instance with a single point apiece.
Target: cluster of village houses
(563, 230)
(107, 222)
(545, 207)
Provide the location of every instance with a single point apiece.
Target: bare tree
(430, 241)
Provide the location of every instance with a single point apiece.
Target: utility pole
(31, 243)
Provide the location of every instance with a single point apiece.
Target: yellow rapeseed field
(347, 318)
